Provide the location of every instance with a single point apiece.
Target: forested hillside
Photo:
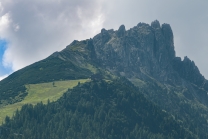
(97, 109)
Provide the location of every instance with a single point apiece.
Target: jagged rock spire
(121, 31)
(105, 35)
(155, 24)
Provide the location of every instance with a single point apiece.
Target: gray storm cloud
(35, 29)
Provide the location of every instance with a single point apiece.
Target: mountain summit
(144, 55)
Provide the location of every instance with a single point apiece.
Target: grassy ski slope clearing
(40, 92)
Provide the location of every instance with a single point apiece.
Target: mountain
(145, 56)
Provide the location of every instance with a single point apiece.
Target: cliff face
(189, 71)
(144, 51)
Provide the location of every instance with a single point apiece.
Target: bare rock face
(141, 51)
(147, 52)
(155, 24)
(121, 31)
(105, 36)
(189, 71)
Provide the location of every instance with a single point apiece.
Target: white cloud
(16, 27)
(4, 24)
(35, 29)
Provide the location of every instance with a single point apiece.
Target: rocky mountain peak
(189, 71)
(140, 51)
(105, 35)
(121, 31)
(155, 24)
(141, 24)
(167, 31)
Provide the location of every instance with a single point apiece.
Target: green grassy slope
(47, 70)
(40, 92)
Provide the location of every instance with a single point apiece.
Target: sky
(32, 30)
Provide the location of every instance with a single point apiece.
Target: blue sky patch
(3, 46)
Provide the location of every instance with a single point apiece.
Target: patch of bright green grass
(91, 68)
(40, 92)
